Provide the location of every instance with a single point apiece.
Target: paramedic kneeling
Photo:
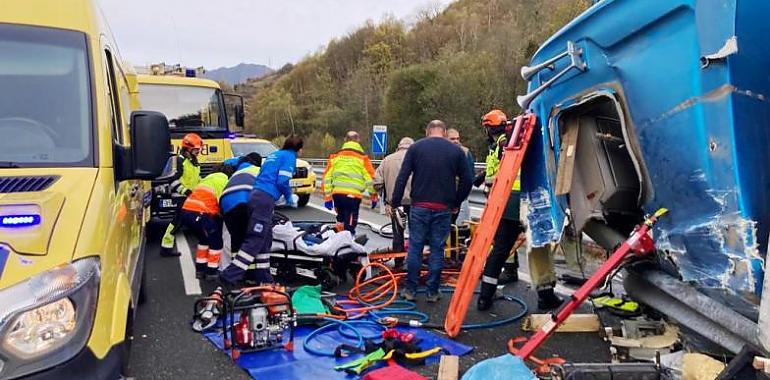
(271, 183)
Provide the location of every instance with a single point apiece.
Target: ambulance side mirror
(148, 154)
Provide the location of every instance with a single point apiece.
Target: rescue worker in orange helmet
(186, 177)
(201, 214)
(540, 267)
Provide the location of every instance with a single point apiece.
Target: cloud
(228, 32)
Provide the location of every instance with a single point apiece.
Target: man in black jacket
(441, 180)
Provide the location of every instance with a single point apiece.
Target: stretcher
(314, 253)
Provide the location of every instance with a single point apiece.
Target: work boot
(510, 275)
(361, 239)
(232, 276)
(483, 304)
(547, 299)
(432, 298)
(408, 295)
(212, 266)
(169, 252)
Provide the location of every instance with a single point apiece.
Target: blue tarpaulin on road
(299, 364)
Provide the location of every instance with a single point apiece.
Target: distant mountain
(238, 74)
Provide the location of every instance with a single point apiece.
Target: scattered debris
(700, 367)
(762, 364)
(449, 367)
(643, 339)
(573, 323)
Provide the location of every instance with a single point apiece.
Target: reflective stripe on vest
(205, 197)
(347, 173)
(242, 180)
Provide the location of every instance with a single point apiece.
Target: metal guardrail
(476, 197)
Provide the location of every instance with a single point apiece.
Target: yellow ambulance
(74, 193)
(191, 104)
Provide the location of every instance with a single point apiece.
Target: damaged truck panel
(671, 111)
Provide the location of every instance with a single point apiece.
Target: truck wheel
(303, 200)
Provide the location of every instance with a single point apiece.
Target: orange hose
(355, 293)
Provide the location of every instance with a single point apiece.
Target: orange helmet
(494, 118)
(192, 141)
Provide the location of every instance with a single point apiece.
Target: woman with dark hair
(271, 183)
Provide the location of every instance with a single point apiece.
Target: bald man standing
(441, 180)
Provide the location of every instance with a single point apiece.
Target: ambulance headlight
(47, 319)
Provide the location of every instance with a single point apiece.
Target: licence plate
(295, 183)
(167, 203)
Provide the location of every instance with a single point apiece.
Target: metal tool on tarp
(207, 310)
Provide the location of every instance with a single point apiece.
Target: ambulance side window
(112, 92)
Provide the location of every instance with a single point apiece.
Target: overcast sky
(213, 33)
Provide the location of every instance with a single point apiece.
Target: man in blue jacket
(271, 183)
(234, 201)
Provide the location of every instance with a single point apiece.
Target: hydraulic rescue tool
(207, 310)
(259, 318)
(482, 239)
(639, 244)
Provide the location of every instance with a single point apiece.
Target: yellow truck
(304, 181)
(75, 164)
(191, 104)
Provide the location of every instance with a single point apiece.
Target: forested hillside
(452, 64)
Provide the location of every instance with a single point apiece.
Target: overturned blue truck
(647, 104)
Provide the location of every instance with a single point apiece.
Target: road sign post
(379, 139)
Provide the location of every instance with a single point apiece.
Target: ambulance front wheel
(303, 200)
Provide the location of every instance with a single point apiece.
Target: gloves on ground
(329, 204)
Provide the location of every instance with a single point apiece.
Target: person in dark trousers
(441, 180)
(503, 255)
(202, 215)
(349, 173)
(235, 198)
(384, 182)
(271, 183)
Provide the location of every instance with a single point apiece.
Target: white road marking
(192, 285)
(360, 221)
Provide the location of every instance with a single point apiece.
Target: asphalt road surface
(164, 346)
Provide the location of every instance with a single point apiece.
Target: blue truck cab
(648, 104)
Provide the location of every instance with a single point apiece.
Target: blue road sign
(379, 139)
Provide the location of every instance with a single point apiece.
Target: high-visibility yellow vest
(189, 177)
(349, 172)
(205, 196)
(493, 165)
